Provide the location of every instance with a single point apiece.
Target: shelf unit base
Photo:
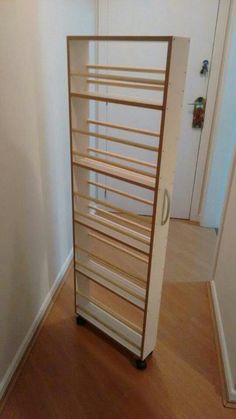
(140, 364)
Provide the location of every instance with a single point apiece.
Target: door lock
(198, 112)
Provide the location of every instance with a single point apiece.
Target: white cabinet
(119, 254)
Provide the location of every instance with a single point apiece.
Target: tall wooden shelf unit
(119, 254)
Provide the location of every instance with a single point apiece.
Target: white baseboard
(223, 346)
(29, 335)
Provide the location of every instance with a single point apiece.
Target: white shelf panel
(113, 281)
(113, 171)
(115, 231)
(110, 325)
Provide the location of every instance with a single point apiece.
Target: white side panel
(177, 77)
(114, 282)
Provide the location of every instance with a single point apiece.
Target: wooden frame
(122, 193)
(135, 80)
(116, 229)
(116, 140)
(122, 68)
(124, 128)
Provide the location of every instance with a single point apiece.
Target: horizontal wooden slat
(124, 128)
(119, 247)
(113, 77)
(127, 85)
(108, 310)
(114, 226)
(122, 157)
(121, 38)
(113, 332)
(112, 206)
(155, 70)
(116, 140)
(118, 237)
(114, 164)
(111, 326)
(101, 97)
(120, 218)
(107, 280)
(112, 171)
(112, 267)
(108, 285)
(122, 193)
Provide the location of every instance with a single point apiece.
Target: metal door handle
(166, 200)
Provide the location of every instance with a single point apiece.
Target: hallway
(74, 372)
(190, 252)
(64, 376)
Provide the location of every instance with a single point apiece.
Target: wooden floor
(190, 252)
(75, 372)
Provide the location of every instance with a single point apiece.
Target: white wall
(220, 210)
(224, 138)
(35, 210)
(166, 17)
(224, 287)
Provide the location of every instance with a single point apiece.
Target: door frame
(212, 93)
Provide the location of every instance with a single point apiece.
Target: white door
(189, 18)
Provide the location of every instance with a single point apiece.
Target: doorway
(128, 17)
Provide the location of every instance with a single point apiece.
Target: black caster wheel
(141, 364)
(80, 321)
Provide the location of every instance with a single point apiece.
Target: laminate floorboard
(75, 372)
(190, 252)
